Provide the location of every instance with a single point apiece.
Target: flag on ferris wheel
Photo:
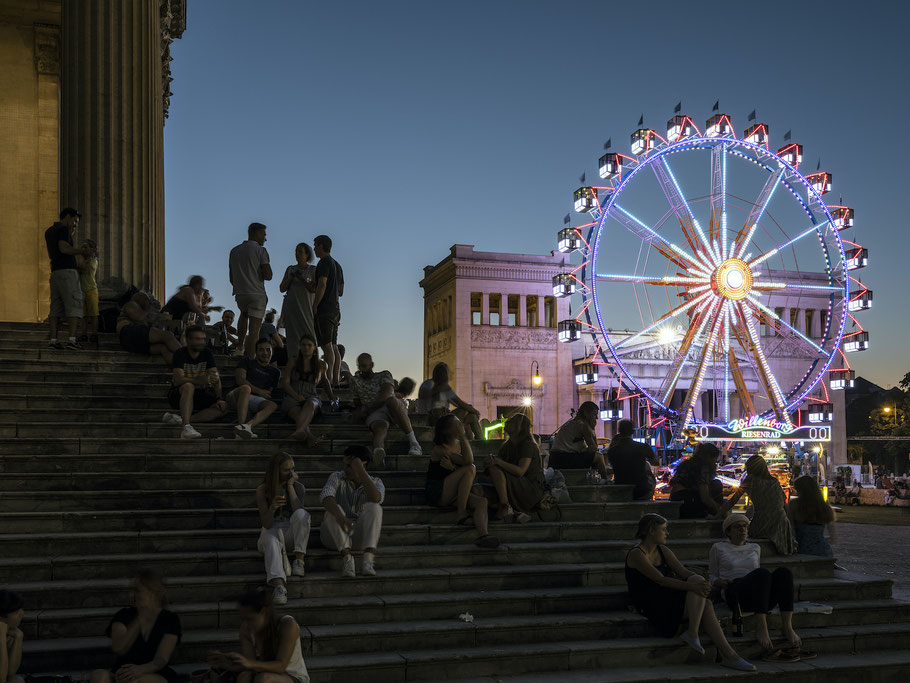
(677, 108)
(787, 136)
(566, 219)
(752, 115)
(818, 166)
(608, 143)
(641, 120)
(582, 177)
(716, 106)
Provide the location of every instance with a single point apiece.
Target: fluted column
(112, 133)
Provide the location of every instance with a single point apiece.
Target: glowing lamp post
(568, 330)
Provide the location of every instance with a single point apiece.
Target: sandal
(801, 654)
(779, 656)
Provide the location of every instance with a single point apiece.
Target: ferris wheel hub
(732, 279)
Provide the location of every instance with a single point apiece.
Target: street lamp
(536, 379)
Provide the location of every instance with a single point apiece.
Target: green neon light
(493, 427)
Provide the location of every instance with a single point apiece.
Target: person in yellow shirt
(88, 266)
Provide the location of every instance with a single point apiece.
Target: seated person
(840, 492)
(345, 369)
(299, 381)
(196, 386)
(256, 380)
(671, 597)
(733, 567)
(376, 405)
(284, 522)
(575, 444)
(227, 331)
(353, 511)
(269, 645)
(186, 304)
(769, 518)
(517, 470)
(436, 394)
(450, 477)
(810, 515)
(144, 636)
(694, 483)
(138, 336)
(854, 494)
(631, 462)
(11, 636)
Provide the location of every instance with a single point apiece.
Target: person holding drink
(298, 286)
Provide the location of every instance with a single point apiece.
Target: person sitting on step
(256, 379)
(575, 444)
(186, 305)
(136, 333)
(631, 462)
(143, 637)
(769, 519)
(668, 594)
(353, 511)
(517, 470)
(734, 567)
(376, 405)
(299, 381)
(11, 636)
(811, 515)
(227, 331)
(436, 395)
(196, 386)
(345, 369)
(450, 477)
(270, 649)
(285, 523)
(695, 484)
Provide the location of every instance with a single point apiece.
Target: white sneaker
(415, 449)
(280, 596)
(189, 433)
(298, 569)
(366, 567)
(378, 458)
(244, 431)
(347, 566)
(171, 419)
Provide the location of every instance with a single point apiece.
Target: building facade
(85, 88)
(490, 315)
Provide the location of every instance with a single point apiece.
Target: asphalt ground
(875, 541)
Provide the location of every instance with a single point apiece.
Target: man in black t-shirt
(196, 388)
(329, 287)
(256, 379)
(631, 462)
(66, 292)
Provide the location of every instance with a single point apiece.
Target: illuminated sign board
(757, 428)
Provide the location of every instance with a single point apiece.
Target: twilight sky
(401, 128)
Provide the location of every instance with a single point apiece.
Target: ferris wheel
(716, 285)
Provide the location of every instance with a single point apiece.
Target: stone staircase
(94, 486)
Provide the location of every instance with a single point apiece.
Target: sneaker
(189, 433)
(522, 518)
(378, 458)
(415, 449)
(73, 345)
(737, 663)
(347, 566)
(244, 431)
(171, 419)
(694, 643)
(55, 345)
(298, 569)
(366, 566)
(280, 596)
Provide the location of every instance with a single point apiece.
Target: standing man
(327, 307)
(66, 291)
(248, 269)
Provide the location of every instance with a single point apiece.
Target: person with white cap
(734, 567)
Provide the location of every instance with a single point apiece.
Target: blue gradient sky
(401, 128)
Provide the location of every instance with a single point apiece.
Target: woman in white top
(269, 644)
(436, 394)
(733, 566)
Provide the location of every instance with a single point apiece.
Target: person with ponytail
(668, 594)
(811, 515)
(269, 645)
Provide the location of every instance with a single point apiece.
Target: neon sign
(757, 428)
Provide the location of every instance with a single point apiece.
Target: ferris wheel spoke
(717, 317)
(742, 391)
(776, 285)
(782, 326)
(666, 281)
(761, 364)
(771, 252)
(683, 211)
(718, 225)
(652, 237)
(682, 308)
(690, 339)
(758, 210)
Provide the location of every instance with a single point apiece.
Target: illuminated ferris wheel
(715, 282)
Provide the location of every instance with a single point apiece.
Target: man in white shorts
(377, 406)
(249, 268)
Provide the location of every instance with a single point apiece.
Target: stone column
(113, 105)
